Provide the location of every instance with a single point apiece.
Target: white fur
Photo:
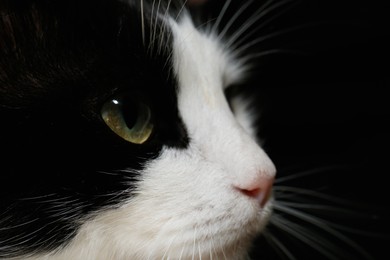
(186, 205)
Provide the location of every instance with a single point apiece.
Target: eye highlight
(129, 118)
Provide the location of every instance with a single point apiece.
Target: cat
(126, 145)
(128, 132)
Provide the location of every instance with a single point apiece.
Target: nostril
(251, 193)
(262, 192)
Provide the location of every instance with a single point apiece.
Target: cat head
(120, 140)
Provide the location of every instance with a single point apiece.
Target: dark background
(328, 107)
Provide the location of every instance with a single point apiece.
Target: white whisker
(222, 249)
(220, 16)
(182, 251)
(278, 245)
(142, 22)
(169, 246)
(341, 212)
(200, 252)
(263, 10)
(181, 10)
(151, 24)
(213, 248)
(207, 26)
(264, 38)
(261, 25)
(164, 26)
(311, 172)
(159, 235)
(233, 19)
(223, 253)
(320, 223)
(304, 235)
(194, 245)
(246, 59)
(316, 194)
(315, 206)
(155, 23)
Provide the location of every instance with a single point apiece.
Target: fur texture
(185, 204)
(80, 79)
(186, 195)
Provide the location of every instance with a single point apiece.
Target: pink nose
(261, 191)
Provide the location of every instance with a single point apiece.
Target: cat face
(122, 143)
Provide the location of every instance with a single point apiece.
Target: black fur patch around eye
(59, 62)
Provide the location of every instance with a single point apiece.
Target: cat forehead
(200, 57)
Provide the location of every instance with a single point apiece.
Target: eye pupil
(130, 113)
(129, 118)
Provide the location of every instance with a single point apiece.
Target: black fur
(59, 62)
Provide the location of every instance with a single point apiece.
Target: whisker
(182, 251)
(246, 59)
(269, 36)
(151, 24)
(279, 247)
(159, 235)
(164, 26)
(199, 251)
(320, 223)
(212, 246)
(266, 8)
(194, 244)
(233, 19)
(316, 194)
(326, 208)
(311, 172)
(205, 27)
(110, 173)
(266, 22)
(169, 246)
(342, 212)
(170, 52)
(142, 22)
(305, 236)
(155, 23)
(181, 10)
(247, 24)
(220, 16)
(223, 253)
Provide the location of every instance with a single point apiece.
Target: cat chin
(95, 249)
(107, 237)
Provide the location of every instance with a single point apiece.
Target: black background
(329, 108)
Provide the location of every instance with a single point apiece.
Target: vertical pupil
(129, 111)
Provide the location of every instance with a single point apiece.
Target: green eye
(128, 118)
